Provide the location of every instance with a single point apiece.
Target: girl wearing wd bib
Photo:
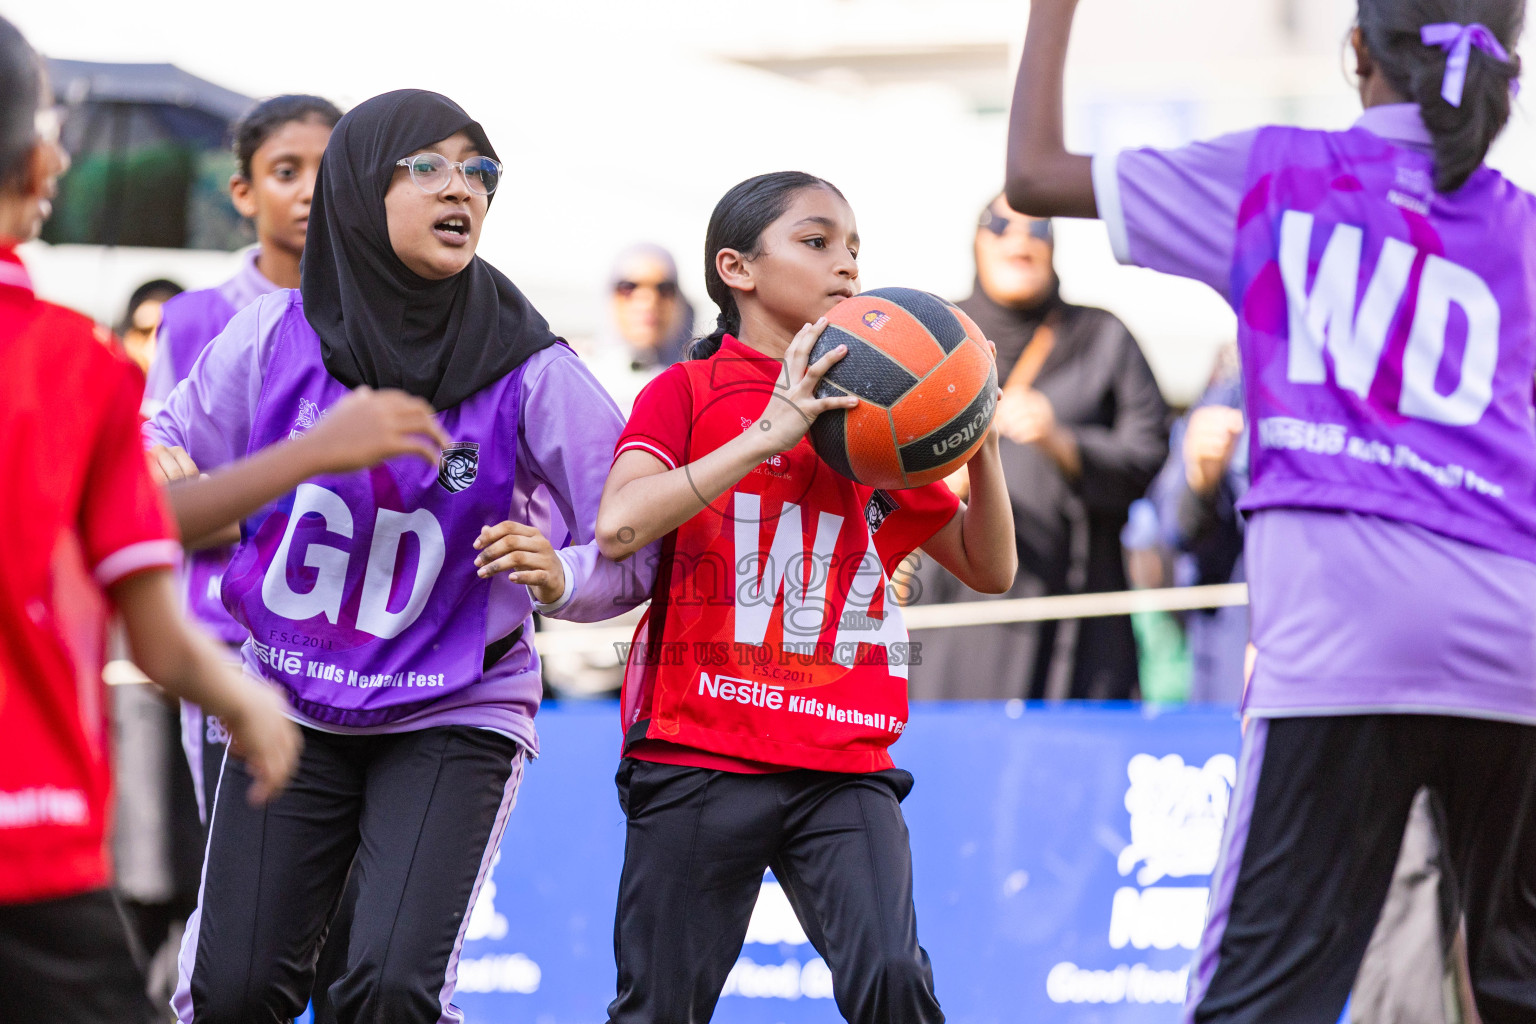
(1384, 281)
(278, 145)
(770, 675)
(404, 653)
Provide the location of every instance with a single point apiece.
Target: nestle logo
(742, 691)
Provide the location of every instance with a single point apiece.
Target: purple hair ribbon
(1457, 42)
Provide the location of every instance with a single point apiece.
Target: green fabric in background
(1162, 657)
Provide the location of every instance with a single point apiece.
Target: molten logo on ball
(967, 433)
(876, 319)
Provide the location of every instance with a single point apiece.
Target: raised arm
(1042, 178)
(204, 427)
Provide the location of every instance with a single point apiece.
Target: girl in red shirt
(769, 676)
(84, 534)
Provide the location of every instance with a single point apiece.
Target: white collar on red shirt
(13, 274)
(1399, 123)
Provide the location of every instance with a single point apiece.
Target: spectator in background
(1084, 431)
(650, 315)
(142, 317)
(650, 328)
(1197, 495)
(651, 324)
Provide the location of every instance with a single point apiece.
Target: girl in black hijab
(380, 322)
(406, 655)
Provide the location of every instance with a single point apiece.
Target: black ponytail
(21, 87)
(1461, 134)
(740, 218)
(725, 323)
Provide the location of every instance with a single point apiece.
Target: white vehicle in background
(146, 197)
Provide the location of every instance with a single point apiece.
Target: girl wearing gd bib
(1385, 285)
(773, 753)
(405, 655)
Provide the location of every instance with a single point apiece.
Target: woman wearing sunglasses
(652, 319)
(392, 605)
(1083, 433)
(650, 322)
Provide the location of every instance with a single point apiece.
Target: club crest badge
(880, 505)
(459, 465)
(875, 319)
(309, 415)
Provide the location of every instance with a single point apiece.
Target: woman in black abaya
(1084, 431)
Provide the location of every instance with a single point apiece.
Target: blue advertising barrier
(1062, 857)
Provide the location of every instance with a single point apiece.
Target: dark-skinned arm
(1042, 178)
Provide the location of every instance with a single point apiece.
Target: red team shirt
(79, 513)
(771, 642)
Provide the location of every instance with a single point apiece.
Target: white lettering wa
(800, 574)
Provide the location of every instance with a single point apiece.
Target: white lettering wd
(1327, 318)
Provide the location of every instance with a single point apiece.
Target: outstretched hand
(369, 427)
(261, 733)
(167, 464)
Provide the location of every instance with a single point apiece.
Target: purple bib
(1387, 332)
(359, 590)
(188, 323)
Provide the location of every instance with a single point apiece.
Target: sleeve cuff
(648, 448)
(570, 588)
(1106, 195)
(148, 554)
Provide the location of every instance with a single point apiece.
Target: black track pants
(1316, 821)
(415, 816)
(698, 841)
(69, 960)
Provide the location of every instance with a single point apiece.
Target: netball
(926, 384)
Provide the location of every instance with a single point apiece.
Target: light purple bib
(360, 589)
(1388, 336)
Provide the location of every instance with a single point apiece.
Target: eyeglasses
(431, 172)
(996, 223)
(663, 289)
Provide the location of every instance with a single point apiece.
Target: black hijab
(379, 323)
(1008, 328)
